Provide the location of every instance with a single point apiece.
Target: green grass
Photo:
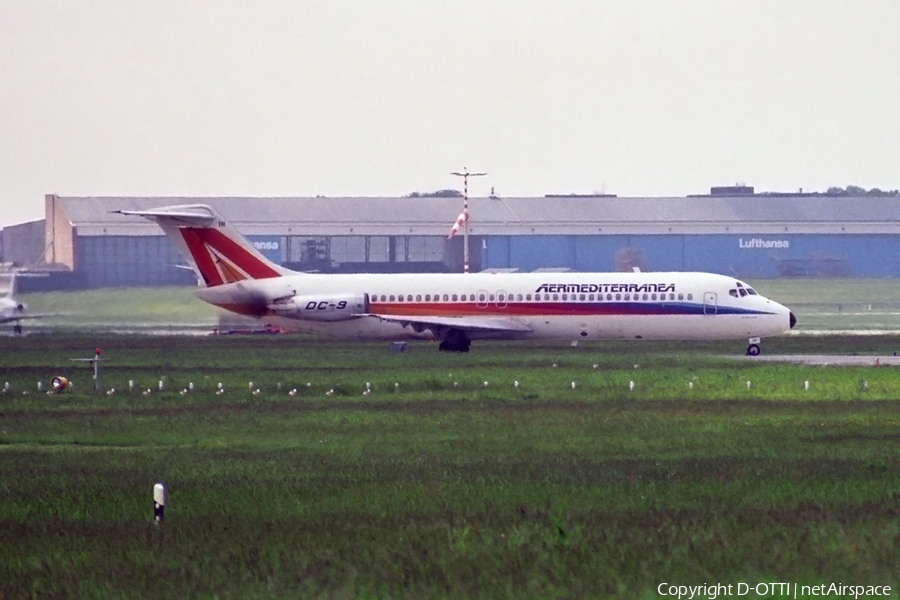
(121, 306)
(441, 490)
(828, 304)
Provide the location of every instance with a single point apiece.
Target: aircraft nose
(793, 319)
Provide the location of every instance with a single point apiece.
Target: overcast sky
(340, 97)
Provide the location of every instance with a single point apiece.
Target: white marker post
(159, 502)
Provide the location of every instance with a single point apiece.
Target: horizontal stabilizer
(196, 217)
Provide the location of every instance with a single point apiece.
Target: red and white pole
(465, 174)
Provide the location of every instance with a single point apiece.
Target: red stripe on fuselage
(201, 256)
(231, 250)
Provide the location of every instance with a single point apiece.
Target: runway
(829, 359)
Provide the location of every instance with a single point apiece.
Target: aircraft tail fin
(13, 286)
(215, 250)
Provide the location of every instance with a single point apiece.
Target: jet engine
(338, 307)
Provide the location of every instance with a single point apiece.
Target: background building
(731, 231)
(24, 244)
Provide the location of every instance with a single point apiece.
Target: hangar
(730, 231)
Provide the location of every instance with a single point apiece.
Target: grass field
(821, 304)
(434, 484)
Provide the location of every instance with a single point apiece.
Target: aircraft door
(481, 299)
(710, 303)
(502, 298)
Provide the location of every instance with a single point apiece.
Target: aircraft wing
(493, 324)
(18, 317)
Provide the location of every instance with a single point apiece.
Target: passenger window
(418, 297)
(645, 296)
(565, 296)
(409, 297)
(500, 297)
(491, 297)
(481, 297)
(454, 297)
(653, 296)
(392, 297)
(609, 296)
(672, 296)
(446, 297)
(627, 297)
(528, 297)
(555, 297)
(690, 296)
(582, 297)
(427, 297)
(681, 296)
(518, 297)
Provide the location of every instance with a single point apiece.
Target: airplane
(13, 311)
(459, 308)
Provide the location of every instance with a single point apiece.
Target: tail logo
(221, 259)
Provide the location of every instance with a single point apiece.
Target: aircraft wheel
(753, 350)
(456, 341)
(17, 329)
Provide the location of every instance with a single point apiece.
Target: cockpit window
(741, 290)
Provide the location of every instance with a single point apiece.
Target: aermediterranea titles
(588, 288)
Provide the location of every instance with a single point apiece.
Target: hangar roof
(507, 216)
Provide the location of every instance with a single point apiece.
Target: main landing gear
(753, 348)
(17, 329)
(456, 341)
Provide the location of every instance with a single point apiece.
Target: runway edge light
(159, 502)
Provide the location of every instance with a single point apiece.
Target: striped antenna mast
(465, 174)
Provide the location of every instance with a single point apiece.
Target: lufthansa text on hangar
(748, 236)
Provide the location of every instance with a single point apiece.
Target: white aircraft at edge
(13, 311)
(459, 308)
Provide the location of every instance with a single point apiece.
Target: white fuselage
(570, 306)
